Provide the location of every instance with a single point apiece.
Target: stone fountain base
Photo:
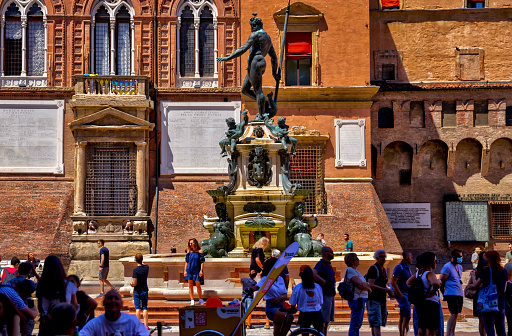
(166, 280)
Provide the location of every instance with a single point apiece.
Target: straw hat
(477, 249)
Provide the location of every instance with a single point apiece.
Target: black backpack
(417, 293)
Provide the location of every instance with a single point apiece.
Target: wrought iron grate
(501, 220)
(111, 188)
(307, 168)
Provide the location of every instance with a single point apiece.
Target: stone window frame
(113, 8)
(386, 57)
(302, 19)
(469, 51)
(197, 81)
(23, 79)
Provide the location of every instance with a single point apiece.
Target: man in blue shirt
(349, 247)
(401, 273)
(324, 276)
(104, 266)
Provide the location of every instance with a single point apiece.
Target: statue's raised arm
(260, 45)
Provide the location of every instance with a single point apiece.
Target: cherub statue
(234, 132)
(128, 226)
(281, 132)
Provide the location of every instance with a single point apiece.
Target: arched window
(112, 39)
(197, 44)
(23, 44)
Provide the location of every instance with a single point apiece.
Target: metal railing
(91, 84)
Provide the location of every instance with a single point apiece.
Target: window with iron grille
(35, 47)
(500, 220)
(110, 185)
(307, 168)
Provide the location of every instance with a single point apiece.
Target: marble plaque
(408, 215)
(31, 136)
(350, 142)
(191, 132)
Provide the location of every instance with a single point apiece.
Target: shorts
(428, 315)
(377, 313)
(247, 303)
(140, 298)
(103, 274)
(404, 305)
(270, 309)
(455, 303)
(306, 319)
(328, 309)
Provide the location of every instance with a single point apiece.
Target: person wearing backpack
(401, 274)
(11, 272)
(52, 289)
(357, 283)
(424, 295)
(377, 277)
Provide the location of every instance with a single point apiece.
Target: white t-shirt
(70, 290)
(278, 288)
(452, 285)
(358, 293)
(128, 325)
(307, 300)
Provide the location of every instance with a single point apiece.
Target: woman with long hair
(428, 310)
(494, 322)
(308, 297)
(360, 288)
(473, 277)
(52, 289)
(194, 263)
(31, 258)
(257, 255)
(274, 297)
(10, 316)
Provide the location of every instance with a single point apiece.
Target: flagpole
(283, 45)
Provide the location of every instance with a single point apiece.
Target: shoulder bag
(344, 289)
(488, 297)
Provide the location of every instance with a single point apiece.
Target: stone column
(141, 178)
(23, 45)
(45, 71)
(81, 173)
(92, 59)
(2, 42)
(215, 49)
(132, 51)
(485, 161)
(196, 46)
(112, 47)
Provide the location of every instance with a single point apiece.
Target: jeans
(356, 315)
(494, 321)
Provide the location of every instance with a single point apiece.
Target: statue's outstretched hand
(222, 59)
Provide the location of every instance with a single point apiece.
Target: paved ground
(468, 328)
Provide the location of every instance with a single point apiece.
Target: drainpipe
(157, 147)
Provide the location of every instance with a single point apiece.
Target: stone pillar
(433, 114)
(450, 164)
(497, 112)
(141, 178)
(215, 49)
(132, 46)
(23, 45)
(2, 43)
(112, 47)
(81, 173)
(196, 46)
(465, 113)
(484, 164)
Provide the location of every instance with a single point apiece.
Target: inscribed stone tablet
(31, 136)
(191, 134)
(467, 221)
(350, 142)
(408, 215)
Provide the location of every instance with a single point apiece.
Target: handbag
(470, 293)
(488, 298)
(344, 289)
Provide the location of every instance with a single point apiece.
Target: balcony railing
(90, 84)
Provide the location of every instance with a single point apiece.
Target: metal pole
(159, 328)
(283, 45)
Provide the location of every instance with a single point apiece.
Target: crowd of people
(62, 308)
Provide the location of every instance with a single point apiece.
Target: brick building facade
(153, 112)
(440, 122)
